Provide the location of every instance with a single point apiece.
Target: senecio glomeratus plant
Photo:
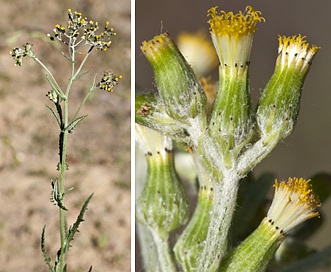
(226, 140)
(80, 36)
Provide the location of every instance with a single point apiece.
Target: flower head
(178, 86)
(232, 34)
(279, 104)
(109, 81)
(295, 52)
(19, 53)
(294, 202)
(80, 30)
(162, 205)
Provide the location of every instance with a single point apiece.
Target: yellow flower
(295, 52)
(232, 35)
(294, 202)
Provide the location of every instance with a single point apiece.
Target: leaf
(73, 124)
(74, 228)
(81, 75)
(292, 250)
(319, 259)
(47, 259)
(150, 112)
(251, 203)
(321, 184)
(54, 88)
(56, 117)
(57, 196)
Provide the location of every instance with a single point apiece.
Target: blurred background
(308, 150)
(99, 148)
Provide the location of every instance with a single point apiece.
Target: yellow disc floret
(232, 35)
(230, 23)
(295, 52)
(294, 202)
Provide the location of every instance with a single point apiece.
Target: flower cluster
(294, 202)
(19, 53)
(108, 81)
(80, 30)
(227, 139)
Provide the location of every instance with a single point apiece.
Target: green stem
(191, 242)
(225, 192)
(57, 87)
(63, 155)
(165, 259)
(85, 99)
(82, 64)
(62, 187)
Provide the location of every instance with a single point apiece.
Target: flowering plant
(80, 36)
(226, 140)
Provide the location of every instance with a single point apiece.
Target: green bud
(294, 202)
(232, 35)
(179, 89)
(192, 241)
(279, 104)
(162, 205)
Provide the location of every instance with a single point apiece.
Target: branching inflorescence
(79, 36)
(227, 139)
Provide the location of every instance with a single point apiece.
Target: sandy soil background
(99, 148)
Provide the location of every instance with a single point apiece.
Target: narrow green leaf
(57, 196)
(55, 89)
(56, 117)
(47, 259)
(81, 75)
(73, 124)
(74, 228)
(321, 183)
(251, 202)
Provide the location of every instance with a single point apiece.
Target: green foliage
(74, 229)
(47, 259)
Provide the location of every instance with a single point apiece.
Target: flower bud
(232, 35)
(162, 205)
(294, 202)
(279, 104)
(179, 89)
